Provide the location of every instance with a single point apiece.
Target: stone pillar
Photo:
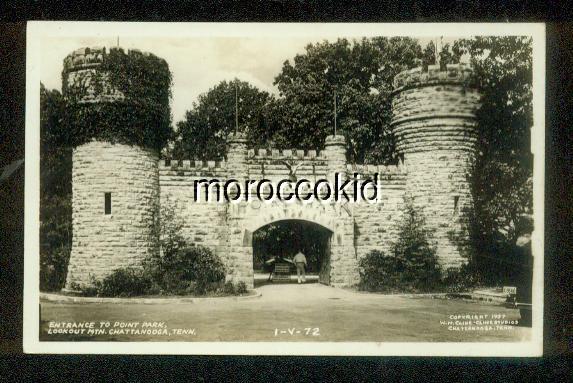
(237, 156)
(343, 263)
(239, 260)
(435, 127)
(335, 153)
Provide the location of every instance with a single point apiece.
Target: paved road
(339, 315)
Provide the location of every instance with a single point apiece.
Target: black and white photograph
(284, 189)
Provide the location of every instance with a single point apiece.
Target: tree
(501, 180)
(361, 72)
(55, 192)
(414, 248)
(203, 133)
(503, 175)
(448, 54)
(411, 265)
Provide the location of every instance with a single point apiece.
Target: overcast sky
(196, 63)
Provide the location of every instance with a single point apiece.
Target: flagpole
(437, 55)
(236, 109)
(335, 112)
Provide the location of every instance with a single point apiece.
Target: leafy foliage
(190, 270)
(195, 269)
(229, 288)
(124, 282)
(203, 133)
(412, 264)
(241, 288)
(142, 118)
(501, 180)
(170, 228)
(182, 268)
(503, 174)
(361, 72)
(55, 193)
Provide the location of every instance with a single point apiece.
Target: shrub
(378, 272)
(195, 266)
(228, 288)
(412, 264)
(181, 268)
(53, 268)
(124, 282)
(170, 228)
(462, 279)
(242, 288)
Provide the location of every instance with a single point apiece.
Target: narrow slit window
(456, 203)
(107, 207)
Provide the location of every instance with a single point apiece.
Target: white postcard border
(36, 29)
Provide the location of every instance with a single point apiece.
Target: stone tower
(115, 190)
(435, 127)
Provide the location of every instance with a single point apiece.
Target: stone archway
(244, 219)
(284, 238)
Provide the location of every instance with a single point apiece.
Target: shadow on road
(263, 279)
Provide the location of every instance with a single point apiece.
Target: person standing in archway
(300, 261)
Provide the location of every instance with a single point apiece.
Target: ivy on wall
(124, 99)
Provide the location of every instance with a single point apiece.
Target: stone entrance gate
(435, 128)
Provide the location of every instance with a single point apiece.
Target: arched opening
(283, 239)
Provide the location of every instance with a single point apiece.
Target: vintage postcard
(284, 189)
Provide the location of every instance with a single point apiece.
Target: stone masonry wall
(376, 225)
(104, 242)
(202, 222)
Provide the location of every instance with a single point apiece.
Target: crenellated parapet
(192, 164)
(384, 170)
(83, 79)
(284, 154)
(416, 77)
(435, 110)
(173, 170)
(84, 58)
(87, 74)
